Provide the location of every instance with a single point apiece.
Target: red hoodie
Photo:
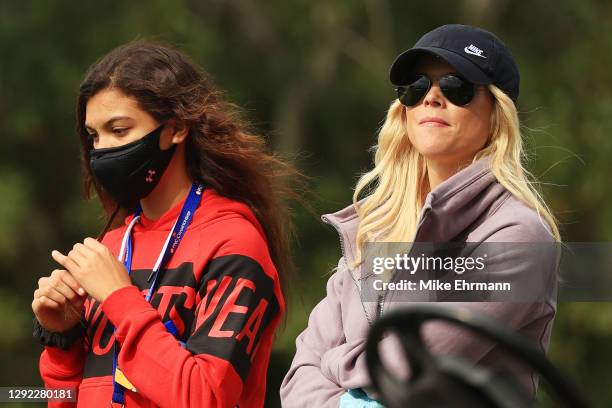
(222, 292)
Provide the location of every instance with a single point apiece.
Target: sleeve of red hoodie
(236, 303)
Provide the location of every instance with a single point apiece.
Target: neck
(171, 189)
(438, 172)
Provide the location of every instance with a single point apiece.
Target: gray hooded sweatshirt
(471, 205)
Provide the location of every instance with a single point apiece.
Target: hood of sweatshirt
(213, 208)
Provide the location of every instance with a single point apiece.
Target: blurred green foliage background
(312, 76)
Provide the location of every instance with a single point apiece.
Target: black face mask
(130, 172)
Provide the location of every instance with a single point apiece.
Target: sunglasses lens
(414, 91)
(457, 90)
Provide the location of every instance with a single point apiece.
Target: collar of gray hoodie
(463, 207)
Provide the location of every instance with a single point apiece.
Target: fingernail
(81, 291)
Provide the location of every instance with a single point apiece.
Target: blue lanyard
(172, 242)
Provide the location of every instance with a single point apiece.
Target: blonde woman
(448, 167)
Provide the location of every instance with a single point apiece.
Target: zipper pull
(379, 306)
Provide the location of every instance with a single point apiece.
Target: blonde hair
(398, 182)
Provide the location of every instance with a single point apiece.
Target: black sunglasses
(457, 90)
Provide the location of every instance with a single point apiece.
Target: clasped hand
(94, 267)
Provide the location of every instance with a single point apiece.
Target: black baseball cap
(478, 55)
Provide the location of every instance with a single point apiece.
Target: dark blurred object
(445, 381)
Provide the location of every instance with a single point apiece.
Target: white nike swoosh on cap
(469, 51)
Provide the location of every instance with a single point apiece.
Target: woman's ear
(178, 130)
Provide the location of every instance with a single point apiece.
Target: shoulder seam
(498, 206)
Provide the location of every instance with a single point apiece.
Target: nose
(102, 144)
(105, 142)
(434, 96)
